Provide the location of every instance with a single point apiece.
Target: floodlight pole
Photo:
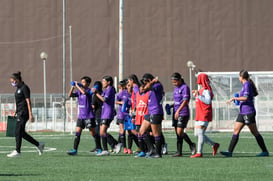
(71, 78)
(121, 47)
(191, 67)
(64, 65)
(44, 56)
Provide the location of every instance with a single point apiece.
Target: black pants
(21, 133)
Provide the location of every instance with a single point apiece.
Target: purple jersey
(155, 99)
(125, 97)
(247, 107)
(181, 94)
(85, 110)
(108, 106)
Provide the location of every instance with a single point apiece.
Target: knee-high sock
(187, 139)
(104, 141)
(135, 139)
(132, 137)
(233, 142)
(200, 134)
(141, 143)
(158, 144)
(261, 143)
(147, 140)
(179, 144)
(77, 140)
(122, 138)
(130, 141)
(111, 140)
(97, 141)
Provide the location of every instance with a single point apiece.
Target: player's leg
(253, 128)
(156, 126)
(104, 136)
(122, 136)
(79, 127)
(141, 135)
(179, 143)
(238, 126)
(92, 130)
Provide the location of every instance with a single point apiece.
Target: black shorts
(120, 121)
(182, 122)
(246, 119)
(154, 118)
(86, 123)
(106, 122)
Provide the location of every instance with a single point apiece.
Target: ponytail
(255, 91)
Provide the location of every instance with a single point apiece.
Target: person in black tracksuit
(23, 113)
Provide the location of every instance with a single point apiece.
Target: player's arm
(70, 93)
(242, 98)
(31, 118)
(205, 97)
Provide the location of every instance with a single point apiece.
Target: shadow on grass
(16, 175)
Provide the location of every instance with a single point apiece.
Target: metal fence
(62, 115)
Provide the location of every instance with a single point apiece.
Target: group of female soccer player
(141, 102)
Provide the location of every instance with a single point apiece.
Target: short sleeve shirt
(180, 94)
(247, 107)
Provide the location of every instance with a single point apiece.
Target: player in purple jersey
(246, 116)
(86, 117)
(155, 115)
(123, 100)
(107, 114)
(181, 113)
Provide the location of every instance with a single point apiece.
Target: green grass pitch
(55, 164)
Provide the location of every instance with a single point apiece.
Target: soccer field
(55, 164)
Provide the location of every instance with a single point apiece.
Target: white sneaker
(40, 148)
(14, 153)
(165, 149)
(104, 152)
(117, 148)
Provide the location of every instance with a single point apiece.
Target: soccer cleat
(154, 155)
(104, 153)
(117, 148)
(98, 151)
(177, 155)
(40, 148)
(129, 151)
(197, 155)
(193, 148)
(141, 154)
(138, 150)
(215, 148)
(265, 153)
(94, 150)
(125, 151)
(165, 149)
(226, 153)
(14, 153)
(72, 152)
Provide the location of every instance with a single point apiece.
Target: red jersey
(203, 111)
(141, 106)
